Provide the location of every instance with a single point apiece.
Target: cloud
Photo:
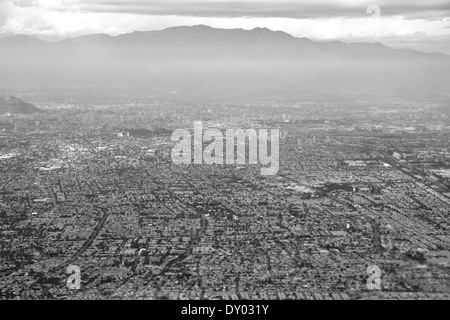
(431, 9)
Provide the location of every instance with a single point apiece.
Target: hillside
(16, 106)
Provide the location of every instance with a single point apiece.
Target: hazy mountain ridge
(237, 42)
(199, 57)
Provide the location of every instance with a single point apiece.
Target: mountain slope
(16, 106)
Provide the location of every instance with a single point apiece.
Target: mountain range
(204, 60)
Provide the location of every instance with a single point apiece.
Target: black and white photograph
(231, 157)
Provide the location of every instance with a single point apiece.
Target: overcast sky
(422, 25)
